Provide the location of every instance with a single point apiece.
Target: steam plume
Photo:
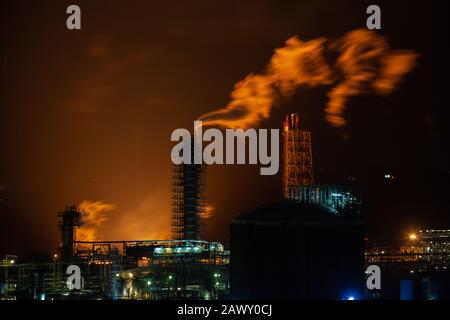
(365, 64)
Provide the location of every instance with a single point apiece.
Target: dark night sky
(87, 115)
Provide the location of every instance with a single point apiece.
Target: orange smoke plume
(252, 100)
(296, 64)
(93, 215)
(365, 63)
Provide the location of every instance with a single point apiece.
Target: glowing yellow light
(55, 256)
(12, 261)
(130, 275)
(412, 236)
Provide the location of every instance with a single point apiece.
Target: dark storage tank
(296, 251)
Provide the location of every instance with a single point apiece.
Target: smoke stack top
(291, 122)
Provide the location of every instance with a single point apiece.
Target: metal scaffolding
(298, 164)
(188, 201)
(341, 199)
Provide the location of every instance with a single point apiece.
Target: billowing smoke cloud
(365, 63)
(93, 215)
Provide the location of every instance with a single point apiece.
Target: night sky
(87, 115)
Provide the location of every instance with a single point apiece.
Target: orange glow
(209, 211)
(143, 262)
(93, 215)
(104, 221)
(412, 236)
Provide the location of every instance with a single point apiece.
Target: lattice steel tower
(298, 163)
(188, 200)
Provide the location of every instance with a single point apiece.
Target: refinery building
(317, 249)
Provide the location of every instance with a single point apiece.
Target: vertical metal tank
(296, 251)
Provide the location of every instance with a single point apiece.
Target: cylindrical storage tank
(296, 251)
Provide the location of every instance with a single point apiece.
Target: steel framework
(298, 163)
(188, 201)
(428, 250)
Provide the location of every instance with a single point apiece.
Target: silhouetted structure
(416, 267)
(296, 251)
(70, 219)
